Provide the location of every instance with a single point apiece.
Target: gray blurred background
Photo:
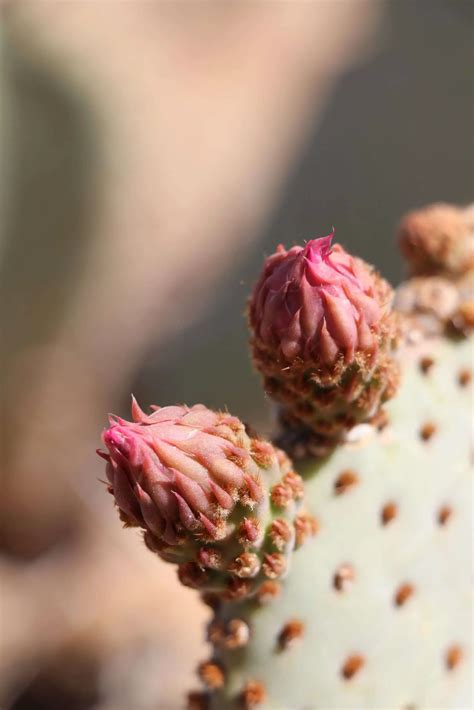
(152, 154)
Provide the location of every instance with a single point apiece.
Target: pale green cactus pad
(376, 611)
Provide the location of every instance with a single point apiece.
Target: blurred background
(152, 154)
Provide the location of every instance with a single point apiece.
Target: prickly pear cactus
(376, 610)
(346, 584)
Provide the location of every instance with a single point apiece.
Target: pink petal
(138, 415)
(340, 321)
(186, 515)
(328, 349)
(192, 493)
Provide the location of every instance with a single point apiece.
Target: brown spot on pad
(389, 512)
(444, 514)
(352, 666)
(453, 657)
(403, 593)
(464, 377)
(426, 363)
(428, 430)
(343, 578)
(347, 479)
(291, 632)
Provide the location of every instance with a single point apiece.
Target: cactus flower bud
(322, 328)
(438, 245)
(199, 487)
(438, 240)
(175, 472)
(315, 303)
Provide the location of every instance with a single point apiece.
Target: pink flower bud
(323, 337)
(200, 488)
(180, 471)
(316, 303)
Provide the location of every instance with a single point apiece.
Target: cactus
(347, 584)
(323, 336)
(206, 495)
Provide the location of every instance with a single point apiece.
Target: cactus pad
(377, 610)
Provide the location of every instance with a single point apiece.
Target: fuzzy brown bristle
(246, 565)
(280, 533)
(268, 591)
(274, 565)
(281, 495)
(250, 531)
(236, 589)
(306, 526)
(232, 635)
(211, 674)
(253, 695)
(294, 481)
